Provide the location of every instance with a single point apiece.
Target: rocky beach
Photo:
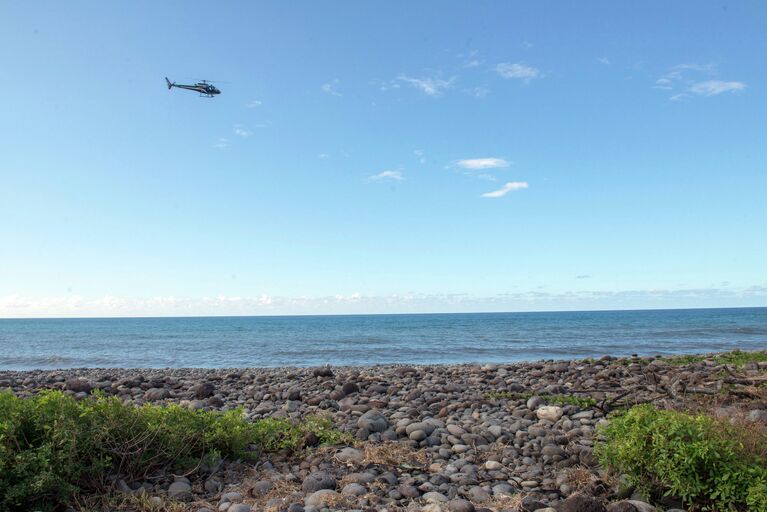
(458, 438)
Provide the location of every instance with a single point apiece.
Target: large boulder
(203, 390)
(373, 421)
(79, 385)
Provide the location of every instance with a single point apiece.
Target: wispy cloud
(583, 276)
(388, 175)
(518, 71)
(323, 155)
(478, 92)
(253, 104)
(685, 81)
(482, 163)
(604, 60)
(419, 153)
(330, 88)
(714, 87)
(221, 143)
(430, 86)
(509, 187)
(241, 131)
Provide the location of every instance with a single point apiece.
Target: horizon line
(382, 314)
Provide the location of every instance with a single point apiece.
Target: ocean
(224, 342)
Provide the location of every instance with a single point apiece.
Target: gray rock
(154, 394)
(533, 402)
(641, 506)
(79, 385)
(350, 456)
(581, 503)
(239, 507)
(213, 485)
(460, 505)
(373, 421)
(230, 497)
(408, 491)
(349, 388)
(203, 390)
(180, 491)
(317, 481)
(478, 494)
(321, 497)
(434, 497)
(353, 490)
(261, 487)
(322, 372)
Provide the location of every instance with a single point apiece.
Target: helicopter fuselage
(204, 88)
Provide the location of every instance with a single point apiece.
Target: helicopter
(204, 87)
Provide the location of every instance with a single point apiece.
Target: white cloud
(604, 60)
(323, 155)
(241, 131)
(517, 70)
(388, 175)
(253, 104)
(703, 68)
(682, 79)
(509, 187)
(16, 306)
(430, 86)
(330, 88)
(420, 155)
(478, 92)
(222, 143)
(482, 163)
(714, 87)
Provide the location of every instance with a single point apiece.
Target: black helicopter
(204, 87)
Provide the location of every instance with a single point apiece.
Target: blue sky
(371, 158)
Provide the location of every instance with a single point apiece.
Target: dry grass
(394, 454)
(580, 479)
(142, 502)
(493, 452)
(499, 503)
(281, 489)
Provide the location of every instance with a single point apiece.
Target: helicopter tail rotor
(170, 84)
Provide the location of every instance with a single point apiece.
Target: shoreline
(483, 433)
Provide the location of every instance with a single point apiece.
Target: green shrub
(737, 358)
(703, 461)
(52, 446)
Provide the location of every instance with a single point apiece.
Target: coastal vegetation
(556, 433)
(578, 401)
(708, 463)
(736, 358)
(54, 447)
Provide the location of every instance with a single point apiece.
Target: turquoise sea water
(373, 339)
